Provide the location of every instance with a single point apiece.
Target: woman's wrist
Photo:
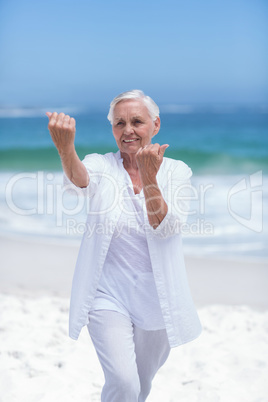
(66, 153)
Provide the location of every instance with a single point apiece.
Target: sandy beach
(38, 362)
(37, 266)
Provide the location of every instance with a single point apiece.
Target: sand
(38, 362)
(45, 266)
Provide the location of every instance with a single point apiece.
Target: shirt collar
(118, 156)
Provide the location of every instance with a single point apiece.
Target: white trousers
(129, 356)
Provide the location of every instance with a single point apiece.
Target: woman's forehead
(130, 107)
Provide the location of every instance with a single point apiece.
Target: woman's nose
(129, 129)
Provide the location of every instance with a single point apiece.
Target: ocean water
(227, 151)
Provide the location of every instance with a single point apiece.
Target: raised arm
(62, 131)
(149, 160)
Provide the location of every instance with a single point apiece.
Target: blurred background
(204, 63)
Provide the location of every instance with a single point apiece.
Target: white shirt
(106, 191)
(127, 282)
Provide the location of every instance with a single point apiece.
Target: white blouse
(127, 282)
(105, 197)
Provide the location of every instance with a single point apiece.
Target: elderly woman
(130, 286)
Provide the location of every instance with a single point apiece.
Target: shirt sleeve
(95, 166)
(175, 186)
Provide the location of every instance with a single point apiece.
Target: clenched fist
(62, 131)
(149, 159)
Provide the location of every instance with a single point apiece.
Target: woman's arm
(149, 160)
(62, 131)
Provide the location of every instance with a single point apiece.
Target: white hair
(152, 107)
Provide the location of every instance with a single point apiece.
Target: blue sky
(65, 52)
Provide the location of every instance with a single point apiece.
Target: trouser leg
(129, 356)
(152, 350)
(112, 336)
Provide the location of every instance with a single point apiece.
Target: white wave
(18, 112)
(177, 109)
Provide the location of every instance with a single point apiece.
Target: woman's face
(133, 126)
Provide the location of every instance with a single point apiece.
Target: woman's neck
(129, 162)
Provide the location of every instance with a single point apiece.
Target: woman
(130, 286)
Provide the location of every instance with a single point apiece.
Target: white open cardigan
(106, 191)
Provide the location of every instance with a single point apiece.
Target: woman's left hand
(149, 159)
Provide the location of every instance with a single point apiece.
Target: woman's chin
(130, 148)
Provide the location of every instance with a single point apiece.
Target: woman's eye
(137, 121)
(119, 123)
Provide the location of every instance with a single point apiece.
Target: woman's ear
(157, 125)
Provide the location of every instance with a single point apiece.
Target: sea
(225, 146)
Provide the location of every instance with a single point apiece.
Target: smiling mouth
(132, 140)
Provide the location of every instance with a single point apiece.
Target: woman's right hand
(62, 131)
